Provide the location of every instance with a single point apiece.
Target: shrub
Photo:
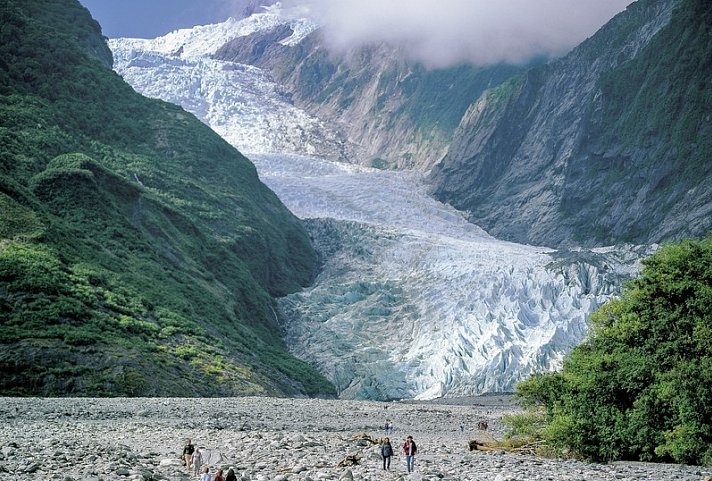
(639, 386)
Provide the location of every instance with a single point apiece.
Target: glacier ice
(412, 301)
(240, 102)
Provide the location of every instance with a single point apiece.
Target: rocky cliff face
(396, 113)
(610, 143)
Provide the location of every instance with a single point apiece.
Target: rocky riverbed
(268, 439)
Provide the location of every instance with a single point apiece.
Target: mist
(446, 32)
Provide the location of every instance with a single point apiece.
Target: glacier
(411, 301)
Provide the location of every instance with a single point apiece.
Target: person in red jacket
(410, 450)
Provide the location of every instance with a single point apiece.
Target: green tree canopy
(640, 386)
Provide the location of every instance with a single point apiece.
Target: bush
(31, 268)
(639, 387)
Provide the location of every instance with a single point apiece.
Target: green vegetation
(664, 95)
(659, 104)
(437, 99)
(639, 387)
(139, 252)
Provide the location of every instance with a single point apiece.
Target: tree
(640, 386)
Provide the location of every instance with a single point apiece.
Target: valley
(411, 301)
(241, 233)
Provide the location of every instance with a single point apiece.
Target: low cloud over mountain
(448, 32)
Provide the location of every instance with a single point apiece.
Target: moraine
(267, 439)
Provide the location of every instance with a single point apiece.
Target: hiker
(462, 427)
(231, 475)
(219, 476)
(410, 450)
(206, 474)
(386, 453)
(197, 460)
(188, 453)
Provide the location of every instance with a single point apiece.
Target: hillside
(398, 113)
(611, 143)
(139, 252)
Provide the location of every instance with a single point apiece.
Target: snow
(203, 41)
(240, 102)
(412, 300)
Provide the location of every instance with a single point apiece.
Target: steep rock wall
(569, 153)
(396, 113)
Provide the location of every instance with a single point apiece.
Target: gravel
(271, 439)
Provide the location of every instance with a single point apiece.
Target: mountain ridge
(541, 159)
(398, 113)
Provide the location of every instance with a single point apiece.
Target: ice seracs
(412, 300)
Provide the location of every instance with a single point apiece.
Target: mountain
(611, 143)
(139, 252)
(240, 102)
(370, 105)
(397, 113)
(410, 299)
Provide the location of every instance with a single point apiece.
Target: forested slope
(139, 252)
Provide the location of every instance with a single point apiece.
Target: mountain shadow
(611, 143)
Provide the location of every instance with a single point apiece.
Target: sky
(153, 18)
(438, 33)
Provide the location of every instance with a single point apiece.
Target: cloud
(446, 32)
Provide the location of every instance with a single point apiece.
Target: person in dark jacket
(386, 453)
(231, 475)
(188, 453)
(410, 450)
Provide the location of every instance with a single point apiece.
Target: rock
(323, 430)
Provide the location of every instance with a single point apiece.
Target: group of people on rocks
(193, 461)
(409, 450)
